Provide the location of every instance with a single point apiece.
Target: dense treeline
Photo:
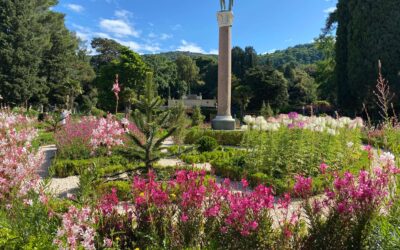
(43, 64)
(40, 59)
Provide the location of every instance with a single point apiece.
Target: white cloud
(165, 36)
(152, 35)
(176, 27)
(213, 52)
(83, 36)
(190, 47)
(329, 10)
(140, 48)
(124, 14)
(75, 7)
(118, 27)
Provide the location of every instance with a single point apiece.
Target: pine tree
(197, 117)
(266, 110)
(154, 123)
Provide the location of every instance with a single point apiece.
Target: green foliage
(362, 41)
(266, 111)
(43, 139)
(301, 87)
(188, 72)
(206, 144)
(40, 60)
(131, 71)
(270, 86)
(182, 122)
(151, 120)
(123, 189)
(27, 227)
(384, 231)
(225, 138)
(289, 151)
(300, 54)
(210, 156)
(165, 74)
(104, 165)
(197, 117)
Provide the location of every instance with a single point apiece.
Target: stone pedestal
(224, 120)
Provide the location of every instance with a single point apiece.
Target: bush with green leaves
(197, 117)
(61, 168)
(206, 144)
(225, 138)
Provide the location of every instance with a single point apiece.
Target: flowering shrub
(350, 203)
(108, 133)
(290, 149)
(73, 140)
(294, 120)
(89, 135)
(77, 230)
(18, 162)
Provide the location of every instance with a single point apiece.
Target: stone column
(224, 120)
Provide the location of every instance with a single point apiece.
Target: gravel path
(59, 187)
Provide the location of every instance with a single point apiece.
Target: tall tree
(250, 58)
(302, 88)
(188, 72)
(107, 50)
(238, 62)
(164, 72)
(132, 72)
(367, 31)
(268, 85)
(23, 38)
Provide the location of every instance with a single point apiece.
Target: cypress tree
(368, 31)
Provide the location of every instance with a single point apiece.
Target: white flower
(387, 159)
(350, 144)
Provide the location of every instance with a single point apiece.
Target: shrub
(225, 138)
(197, 117)
(43, 139)
(104, 165)
(123, 189)
(206, 144)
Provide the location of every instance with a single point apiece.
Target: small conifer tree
(197, 117)
(266, 110)
(154, 123)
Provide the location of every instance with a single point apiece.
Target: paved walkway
(60, 187)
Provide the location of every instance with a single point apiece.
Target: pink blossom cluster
(76, 132)
(353, 194)
(18, 161)
(94, 133)
(190, 194)
(77, 230)
(108, 133)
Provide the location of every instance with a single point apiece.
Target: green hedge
(104, 165)
(123, 189)
(225, 138)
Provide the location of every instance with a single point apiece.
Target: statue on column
(223, 5)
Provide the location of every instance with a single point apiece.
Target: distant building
(192, 101)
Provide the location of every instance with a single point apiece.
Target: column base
(223, 123)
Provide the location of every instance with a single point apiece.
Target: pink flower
(107, 242)
(184, 218)
(245, 184)
(323, 167)
(293, 115)
(303, 186)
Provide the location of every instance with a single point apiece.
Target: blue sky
(153, 26)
